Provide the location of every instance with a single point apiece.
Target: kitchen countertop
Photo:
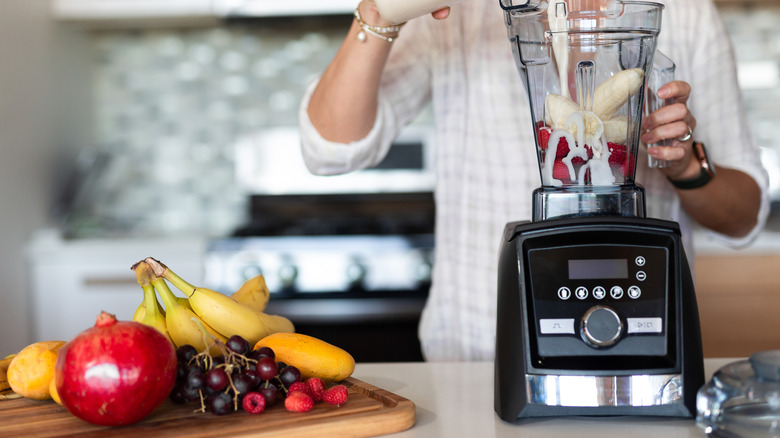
(455, 399)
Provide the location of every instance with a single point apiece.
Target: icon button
(564, 293)
(640, 261)
(581, 292)
(645, 325)
(616, 292)
(556, 326)
(641, 276)
(599, 293)
(634, 292)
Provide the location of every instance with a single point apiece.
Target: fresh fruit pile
(203, 315)
(244, 379)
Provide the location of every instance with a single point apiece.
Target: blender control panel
(605, 299)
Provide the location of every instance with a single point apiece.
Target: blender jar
(584, 65)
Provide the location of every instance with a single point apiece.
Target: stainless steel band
(599, 391)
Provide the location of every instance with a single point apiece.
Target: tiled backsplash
(169, 105)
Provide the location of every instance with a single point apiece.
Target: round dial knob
(601, 326)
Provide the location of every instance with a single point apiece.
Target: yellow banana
(615, 91)
(254, 293)
(153, 315)
(140, 311)
(222, 312)
(183, 325)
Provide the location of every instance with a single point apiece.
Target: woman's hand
(371, 10)
(673, 122)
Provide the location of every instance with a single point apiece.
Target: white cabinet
(135, 11)
(73, 281)
(274, 8)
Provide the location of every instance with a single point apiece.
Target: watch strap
(707, 171)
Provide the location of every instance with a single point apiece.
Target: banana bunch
(562, 113)
(5, 387)
(204, 315)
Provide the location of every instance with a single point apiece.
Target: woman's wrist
(370, 14)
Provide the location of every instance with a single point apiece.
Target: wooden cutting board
(370, 411)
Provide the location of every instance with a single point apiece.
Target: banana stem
(169, 299)
(150, 301)
(143, 273)
(160, 270)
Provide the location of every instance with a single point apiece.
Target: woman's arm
(730, 202)
(344, 104)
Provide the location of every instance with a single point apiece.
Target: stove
(347, 268)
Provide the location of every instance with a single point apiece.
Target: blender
(596, 310)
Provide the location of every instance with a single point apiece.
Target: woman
(486, 164)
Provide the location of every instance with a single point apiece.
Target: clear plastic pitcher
(584, 64)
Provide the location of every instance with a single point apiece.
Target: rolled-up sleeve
(323, 157)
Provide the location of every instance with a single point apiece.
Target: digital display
(595, 269)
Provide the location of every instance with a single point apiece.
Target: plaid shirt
(485, 160)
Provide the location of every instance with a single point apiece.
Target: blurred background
(135, 128)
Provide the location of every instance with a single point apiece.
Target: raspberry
(617, 153)
(300, 387)
(317, 387)
(563, 148)
(336, 395)
(298, 401)
(561, 171)
(253, 403)
(543, 137)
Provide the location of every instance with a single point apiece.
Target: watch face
(701, 154)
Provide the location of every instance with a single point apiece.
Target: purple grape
(243, 383)
(220, 403)
(265, 352)
(270, 393)
(217, 379)
(238, 345)
(196, 379)
(185, 353)
(289, 375)
(266, 368)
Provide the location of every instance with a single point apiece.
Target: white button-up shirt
(486, 166)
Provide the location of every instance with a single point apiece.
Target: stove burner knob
(601, 326)
(288, 274)
(356, 274)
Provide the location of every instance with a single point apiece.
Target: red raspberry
(543, 136)
(317, 387)
(299, 387)
(617, 153)
(298, 401)
(336, 395)
(563, 148)
(561, 171)
(253, 403)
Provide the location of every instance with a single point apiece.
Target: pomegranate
(115, 373)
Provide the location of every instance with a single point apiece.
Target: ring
(687, 136)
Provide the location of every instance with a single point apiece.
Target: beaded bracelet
(379, 32)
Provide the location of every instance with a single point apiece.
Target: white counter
(455, 399)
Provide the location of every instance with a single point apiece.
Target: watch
(707, 170)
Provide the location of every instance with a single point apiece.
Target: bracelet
(379, 32)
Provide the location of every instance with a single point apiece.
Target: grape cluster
(221, 383)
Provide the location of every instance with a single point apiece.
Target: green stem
(169, 299)
(150, 300)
